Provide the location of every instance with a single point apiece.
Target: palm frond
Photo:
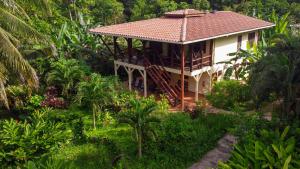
(18, 27)
(13, 6)
(12, 58)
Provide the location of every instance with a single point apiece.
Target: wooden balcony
(156, 58)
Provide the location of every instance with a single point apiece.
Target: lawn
(177, 142)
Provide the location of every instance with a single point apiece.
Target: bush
(34, 103)
(52, 99)
(29, 139)
(180, 140)
(229, 94)
(269, 149)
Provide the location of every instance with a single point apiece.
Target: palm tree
(96, 92)
(138, 116)
(65, 73)
(13, 32)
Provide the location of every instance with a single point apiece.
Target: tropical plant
(240, 63)
(17, 96)
(65, 73)
(277, 73)
(29, 139)
(96, 93)
(271, 149)
(49, 163)
(15, 30)
(139, 116)
(229, 94)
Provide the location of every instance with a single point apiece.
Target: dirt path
(220, 153)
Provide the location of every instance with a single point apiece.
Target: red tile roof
(185, 26)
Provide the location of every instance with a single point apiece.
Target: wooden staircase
(163, 80)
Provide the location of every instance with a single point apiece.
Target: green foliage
(201, 4)
(30, 139)
(17, 95)
(78, 131)
(139, 116)
(97, 93)
(34, 103)
(229, 94)
(240, 65)
(180, 140)
(49, 164)
(66, 73)
(145, 9)
(108, 12)
(270, 149)
(276, 73)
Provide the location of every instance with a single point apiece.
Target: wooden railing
(166, 61)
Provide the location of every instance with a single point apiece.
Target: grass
(179, 142)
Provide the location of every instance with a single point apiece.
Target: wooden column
(182, 75)
(144, 52)
(191, 53)
(144, 75)
(129, 49)
(197, 79)
(145, 83)
(129, 72)
(115, 47)
(145, 71)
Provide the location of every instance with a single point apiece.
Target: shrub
(29, 139)
(65, 74)
(229, 94)
(180, 140)
(52, 99)
(78, 131)
(17, 96)
(34, 103)
(269, 149)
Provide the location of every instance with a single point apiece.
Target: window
(239, 42)
(251, 38)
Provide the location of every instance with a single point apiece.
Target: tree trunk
(140, 142)
(94, 115)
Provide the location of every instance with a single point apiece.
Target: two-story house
(179, 51)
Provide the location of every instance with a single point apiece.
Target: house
(179, 51)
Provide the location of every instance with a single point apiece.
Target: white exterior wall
(224, 46)
(204, 84)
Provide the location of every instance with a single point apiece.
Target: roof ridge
(183, 27)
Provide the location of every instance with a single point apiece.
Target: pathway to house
(221, 153)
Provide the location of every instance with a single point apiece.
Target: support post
(129, 49)
(191, 53)
(145, 83)
(115, 47)
(182, 75)
(197, 79)
(129, 72)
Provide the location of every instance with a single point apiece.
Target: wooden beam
(182, 75)
(105, 44)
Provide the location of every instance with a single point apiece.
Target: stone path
(220, 153)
